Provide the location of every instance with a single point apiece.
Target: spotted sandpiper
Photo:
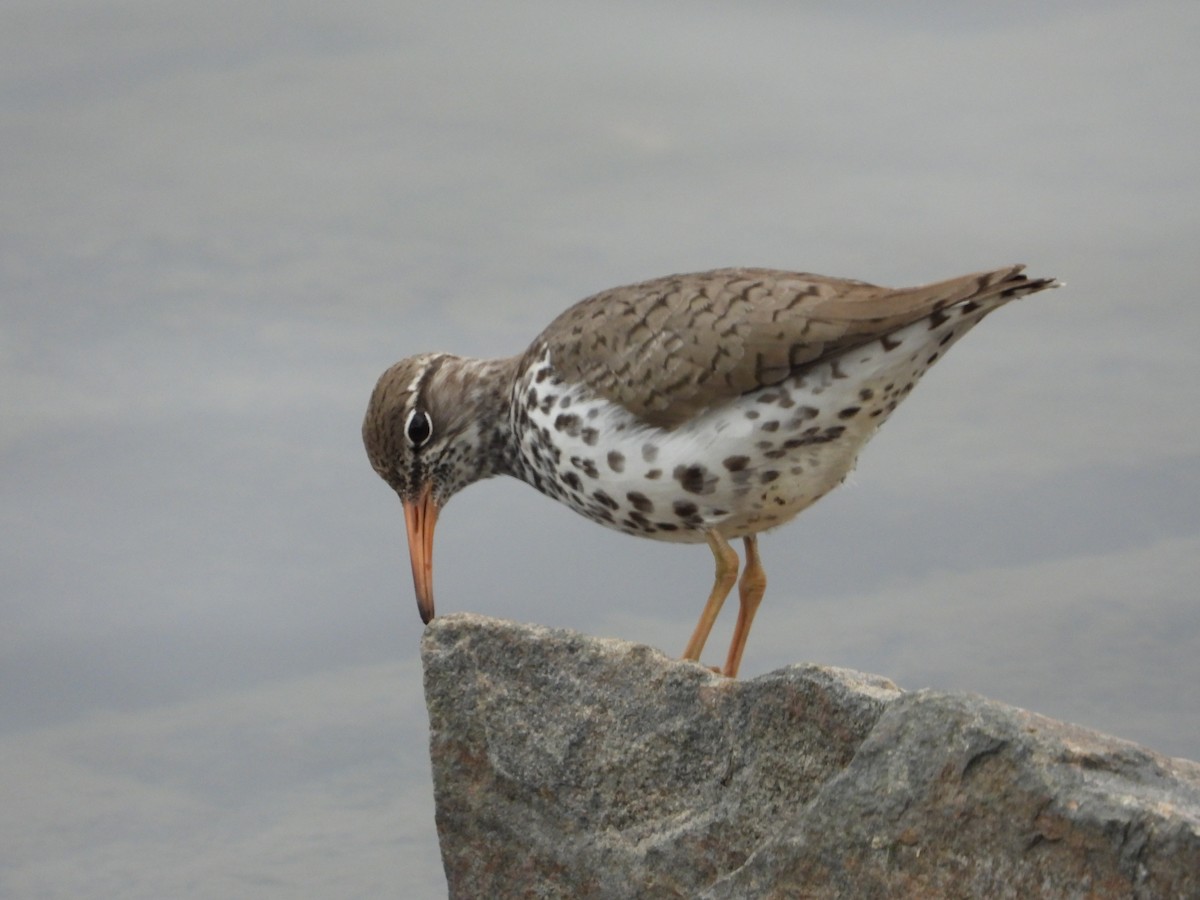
(692, 408)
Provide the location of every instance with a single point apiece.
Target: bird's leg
(750, 592)
(727, 569)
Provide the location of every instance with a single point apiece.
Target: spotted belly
(744, 466)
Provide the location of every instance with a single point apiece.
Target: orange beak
(420, 516)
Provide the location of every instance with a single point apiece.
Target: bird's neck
(479, 392)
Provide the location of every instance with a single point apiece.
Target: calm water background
(220, 221)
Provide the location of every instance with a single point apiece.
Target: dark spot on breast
(649, 452)
(849, 412)
(616, 461)
(587, 466)
(937, 318)
(815, 436)
(640, 501)
(695, 479)
(666, 526)
(773, 425)
(565, 401)
(768, 476)
(541, 374)
(888, 344)
(866, 394)
(605, 500)
(752, 414)
(689, 514)
(685, 509)
(590, 436)
(802, 415)
(735, 463)
(567, 423)
(653, 474)
(571, 480)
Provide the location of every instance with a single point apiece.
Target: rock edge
(570, 766)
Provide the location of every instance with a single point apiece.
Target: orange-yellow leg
(727, 569)
(750, 592)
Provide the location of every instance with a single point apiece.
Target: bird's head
(426, 434)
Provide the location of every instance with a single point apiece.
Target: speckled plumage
(690, 408)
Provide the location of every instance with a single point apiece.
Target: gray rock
(569, 766)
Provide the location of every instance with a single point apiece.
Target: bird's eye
(418, 428)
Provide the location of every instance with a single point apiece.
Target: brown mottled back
(668, 348)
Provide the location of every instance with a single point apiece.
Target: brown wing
(668, 348)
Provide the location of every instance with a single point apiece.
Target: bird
(692, 408)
